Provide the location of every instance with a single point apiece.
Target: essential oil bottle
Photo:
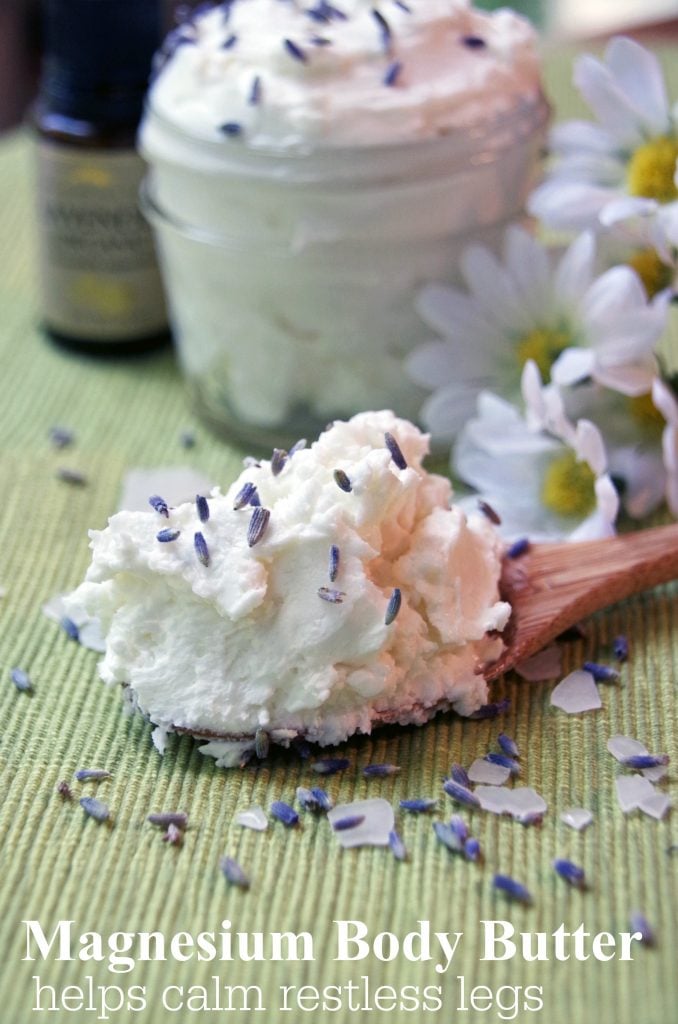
(100, 287)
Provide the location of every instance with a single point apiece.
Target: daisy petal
(588, 444)
(450, 311)
(575, 270)
(617, 289)
(572, 366)
(569, 205)
(628, 379)
(664, 400)
(607, 100)
(626, 208)
(639, 76)
(581, 135)
(447, 410)
(432, 364)
(494, 289)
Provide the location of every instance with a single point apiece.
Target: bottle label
(100, 279)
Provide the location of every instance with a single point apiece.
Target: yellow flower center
(645, 413)
(652, 169)
(543, 345)
(654, 274)
(568, 487)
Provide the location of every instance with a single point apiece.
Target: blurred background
(560, 20)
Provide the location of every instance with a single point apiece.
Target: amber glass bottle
(101, 289)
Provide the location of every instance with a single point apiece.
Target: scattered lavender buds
(295, 51)
(233, 873)
(166, 818)
(392, 73)
(167, 536)
(229, 42)
(459, 827)
(489, 512)
(380, 770)
(472, 849)
(94, 808)
(261, 744)
(258, 525)
(397, 846)
(322, 799)
(492, 710)
(504, 761)
(639, 924)
(518, 548)
(341, 480)
(283, 812)
(313, 799)
(64, 790)
(331, 596)
(395, 450)
(393, 606)
(620, 648)
(203, 508)
(419, 805)
(159, 504)
(278, 461)
(92, 774)
(509, 746)
(572, 873)
(201, 550)
(640, 761)
(333, 569)
(21, 680)
(61, 437)
(244, 496)
(514, 890)
(298, 446)
(461, 794)
(174, 836)
(71, 476)
(330, 765)
(352, 821)
(460, 775)
(70, 628)
(601, 673)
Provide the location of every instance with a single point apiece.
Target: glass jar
(292, 277)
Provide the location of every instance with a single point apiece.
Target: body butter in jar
(311, 169)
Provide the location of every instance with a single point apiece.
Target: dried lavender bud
(514, 890)
(504, 761)
(640, 761)
(418, 805)
(174, 836)
(298, 446)
(341, 480)
(397, 846)
(295, 51)
(94, 808)
(601, 673)
(334, 563)
(620, 648)
(61, 437)
(166, 818)
(71, 476)
(322, 799)
(254, 98)
(330, 765)
(461, 794)
(518, 548)
(380, 770)
(159, 504)
(489, 512)
(509, 746)
(284, 813)
(261, 744)
(187, 439)
(492, 710)
(472, 849)
(392, 73)
(278, 461)
(234, 873)
(201, 550)
(351, 821)
(92, 774)
(203, 508)
(21, 680)
(393, 606)
(474, 42)
(395, 450)
(448, 837)
(232, 129)
(572, 873)
(167, 536)
(640, 925)
(384, 28)
(64, 790)
(244, 496)
(331, 596)
(460, 776)
(70, 629)
(258, 525)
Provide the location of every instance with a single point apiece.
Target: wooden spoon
(554, 586)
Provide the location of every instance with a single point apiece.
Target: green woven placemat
(57, 865)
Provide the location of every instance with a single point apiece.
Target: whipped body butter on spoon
(327, 592)
(311, 166)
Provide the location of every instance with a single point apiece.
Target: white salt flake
(524, 802)
(91, 636)
(253, 817)
(488, 773)
(55, 609)
(655, 774)
(546, 664)
(632, 791)
(176, 484)
(656, 805)
(228, 753)
(159, 737)
(493, 799)
(622, 747)
(576, 693)
(373, 831)
(577, 817)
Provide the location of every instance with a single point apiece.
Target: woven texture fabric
(121, 876)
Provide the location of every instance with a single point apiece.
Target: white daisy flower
(667, 403)
(532, 306)
(543, 486)
(623, 165)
